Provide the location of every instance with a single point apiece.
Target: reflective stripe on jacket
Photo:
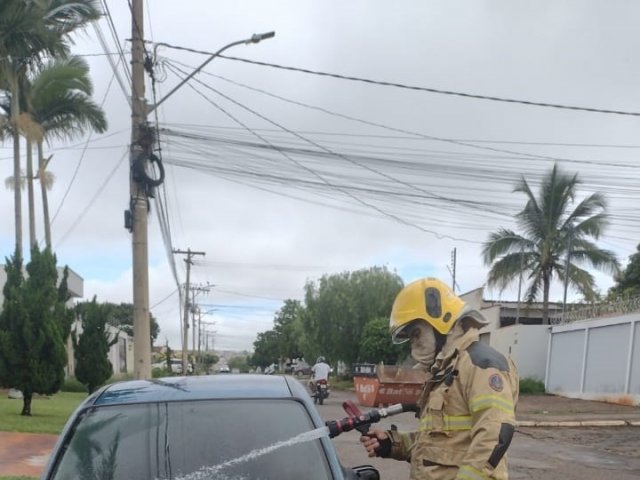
(467, 415)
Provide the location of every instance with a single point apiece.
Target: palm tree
(550, 231)
(60, 105)
(29, 32)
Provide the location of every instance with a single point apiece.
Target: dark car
(194, 428)
(302, 369)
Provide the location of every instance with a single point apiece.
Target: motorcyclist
(467, 405)
(319, 371)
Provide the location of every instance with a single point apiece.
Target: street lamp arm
(255, 38)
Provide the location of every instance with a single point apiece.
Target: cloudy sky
(282, 176)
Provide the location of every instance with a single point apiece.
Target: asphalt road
(535, 453)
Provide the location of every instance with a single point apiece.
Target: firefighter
(467, 405)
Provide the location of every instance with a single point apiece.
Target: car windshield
(184, 440)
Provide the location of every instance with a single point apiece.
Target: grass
(48, 414)
(531, 386)
(341, 384)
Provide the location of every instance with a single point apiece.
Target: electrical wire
(313, 172)
(411, 87)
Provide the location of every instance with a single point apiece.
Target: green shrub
(531, 386)
(73, 385)
(158, 372)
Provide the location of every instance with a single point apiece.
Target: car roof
(197, 388)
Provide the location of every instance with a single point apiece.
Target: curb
(586, 423)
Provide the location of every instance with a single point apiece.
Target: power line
(413, 87)
(316, 174)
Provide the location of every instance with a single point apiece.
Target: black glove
(384, 450)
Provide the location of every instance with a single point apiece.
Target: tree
(550, 229)
(265, 349)
(287, 339)
(29, 32)
(376, 345)
(628, 281)
(121, 316)
(60, 106)
(32, 351)
(168, 357)
(91, 348)
(239, 362)
(338, 308)
(209, 359)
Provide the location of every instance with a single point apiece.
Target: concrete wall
(596, 359)
(526, 345)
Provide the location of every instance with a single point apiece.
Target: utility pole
(519, 286)
(200, 289)
(185, 323)
(566, 273)
(453, 268)
(136, 217)
(141, 186)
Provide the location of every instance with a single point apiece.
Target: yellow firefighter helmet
(431, 300)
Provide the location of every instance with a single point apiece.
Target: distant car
(271, 369)
(176, 366)
(197, 427)
(224, 369)
(302, 369)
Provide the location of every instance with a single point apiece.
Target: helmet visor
(403, 334)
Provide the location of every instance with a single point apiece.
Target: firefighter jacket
(467, 415)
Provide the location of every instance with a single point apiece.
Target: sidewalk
(24, 453)
(555, 411)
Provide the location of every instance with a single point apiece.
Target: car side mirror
(366, 472)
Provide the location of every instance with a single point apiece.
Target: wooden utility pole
(185, 322)
(138, 212)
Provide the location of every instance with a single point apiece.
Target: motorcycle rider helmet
(320, 359)
(432, 301)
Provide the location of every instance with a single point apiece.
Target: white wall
(596, 359)
(526, 345)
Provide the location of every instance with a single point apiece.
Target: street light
(255, 38)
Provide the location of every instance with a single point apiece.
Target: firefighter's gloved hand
(377, 443)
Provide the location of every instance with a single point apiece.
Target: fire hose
(357, 420)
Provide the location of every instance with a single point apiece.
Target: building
(515, 331)
(590, 352)
(120, 354)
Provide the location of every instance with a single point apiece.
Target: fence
(597, 310)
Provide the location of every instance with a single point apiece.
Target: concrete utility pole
(137, 216)
(185, 322)
(453, 268)
(566, 273)
(141, 186)
(520, 286)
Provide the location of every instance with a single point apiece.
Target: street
(535, 454)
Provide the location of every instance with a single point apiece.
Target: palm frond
(506, 270)
(601, 259)
(582, 281)
(592, 226)
(503, 241)
(533, 290)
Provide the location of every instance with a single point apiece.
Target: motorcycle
(321, 391)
